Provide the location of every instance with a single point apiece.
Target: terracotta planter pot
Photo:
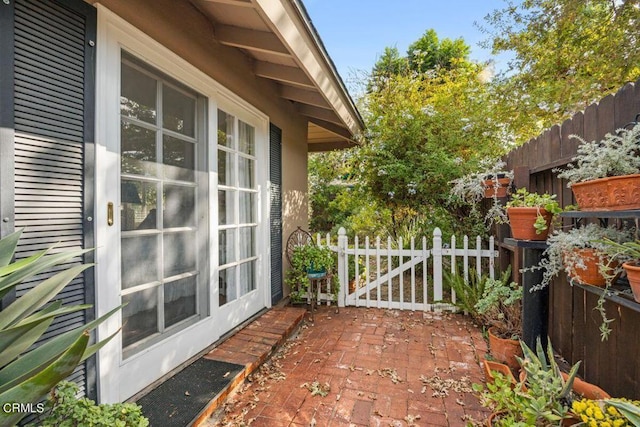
(592, 195)
(614, 193)
(581, 387)
(501, 190)
(490, 367)
(521, 221)
(591, 275)
(570, 420)
(493, 417)
(587, 390)
(505, 350)
(633, 274)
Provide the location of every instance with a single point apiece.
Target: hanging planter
(497, 187)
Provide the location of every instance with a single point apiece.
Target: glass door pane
(160, 275)
(237, 208)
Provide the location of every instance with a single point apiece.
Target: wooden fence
(573, 324)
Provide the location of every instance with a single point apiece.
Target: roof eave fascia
(289, 20)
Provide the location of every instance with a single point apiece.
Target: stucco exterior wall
(179, 26)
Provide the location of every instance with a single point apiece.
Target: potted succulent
(605, 175)
(543, 397)
(500, 309)
(629, 254)
(530, 214)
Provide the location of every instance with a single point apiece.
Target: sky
(355, 32)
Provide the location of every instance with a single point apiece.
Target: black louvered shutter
(53, 156)
(275, 176)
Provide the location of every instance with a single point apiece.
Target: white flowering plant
(470, 188)
(616, 155)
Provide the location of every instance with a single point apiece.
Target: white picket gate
(379, 270)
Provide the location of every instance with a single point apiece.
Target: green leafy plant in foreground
(544, 402)
(26, 376)
(63, 409)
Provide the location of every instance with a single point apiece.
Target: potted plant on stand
(605, 175)
(530, 214)
(500, 309)
(582, 254)
(308, 262)
(629, 254)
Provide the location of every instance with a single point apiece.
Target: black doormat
(178, 400)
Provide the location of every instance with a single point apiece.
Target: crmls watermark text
(23, 408)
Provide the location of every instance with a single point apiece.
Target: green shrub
(468, 292)
(63, 409)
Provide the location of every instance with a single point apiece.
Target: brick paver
(382, 367)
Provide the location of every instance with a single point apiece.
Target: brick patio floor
(377, 367)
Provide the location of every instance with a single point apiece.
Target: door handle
(110, 214)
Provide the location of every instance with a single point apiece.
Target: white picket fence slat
(385, 267)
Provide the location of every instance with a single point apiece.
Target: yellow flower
(613, 411)
(618, 423)
(605, 424)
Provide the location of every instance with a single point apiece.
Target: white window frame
(114, 35)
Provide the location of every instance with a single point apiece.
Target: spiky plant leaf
(33, 362)
(38, 296)
(32, 390)
(8, 246)
(37, 264)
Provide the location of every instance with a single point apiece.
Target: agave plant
(540, 368)
(27, 375)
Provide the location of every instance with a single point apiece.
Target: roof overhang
(284, 47)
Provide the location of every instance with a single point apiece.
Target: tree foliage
(567, 55)
(423, 130)
(432, 115)
(431, 53)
